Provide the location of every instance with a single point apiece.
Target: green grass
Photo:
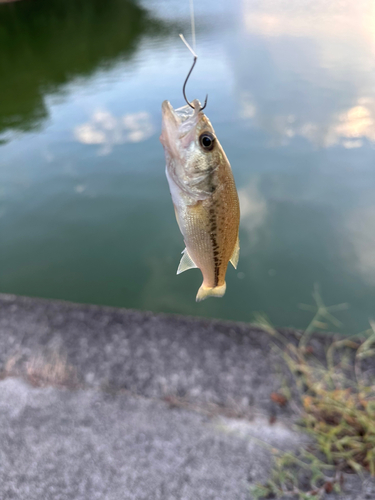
(337, 411)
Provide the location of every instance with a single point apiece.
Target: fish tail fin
(204, 292)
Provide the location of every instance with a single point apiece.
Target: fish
(204, 195)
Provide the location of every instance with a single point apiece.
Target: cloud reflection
(253, 209)
(356, 123)
(107, 130)
(347, 129)
(335, 19)
(306, 70)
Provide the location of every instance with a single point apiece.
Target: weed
(337, 411)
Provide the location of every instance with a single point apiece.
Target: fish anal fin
(186, 263)
(236, 254)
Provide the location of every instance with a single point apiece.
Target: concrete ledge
(203, 361)
(98, 403)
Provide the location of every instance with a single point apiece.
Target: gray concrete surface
(86, 445)
(101, 403)
(228, 364)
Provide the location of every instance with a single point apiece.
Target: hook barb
(188, 75)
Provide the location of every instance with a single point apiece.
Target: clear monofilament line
(195, 58)
(192, 20)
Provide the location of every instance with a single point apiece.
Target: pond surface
(85, 209)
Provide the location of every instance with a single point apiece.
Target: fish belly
(210, 229)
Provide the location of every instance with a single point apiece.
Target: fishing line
(192, 21)
(193, 53)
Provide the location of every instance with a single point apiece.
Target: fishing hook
(187, 78)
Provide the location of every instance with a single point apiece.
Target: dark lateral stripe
(215, 246)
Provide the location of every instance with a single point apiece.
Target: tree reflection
(47, 43)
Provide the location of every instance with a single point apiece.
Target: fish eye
(207, 141)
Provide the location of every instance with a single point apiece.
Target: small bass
(204, 195)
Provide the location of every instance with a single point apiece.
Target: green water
(85, 210)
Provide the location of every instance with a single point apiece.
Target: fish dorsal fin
(236, 254)
(186, 262)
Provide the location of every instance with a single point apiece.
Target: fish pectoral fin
(177, 218)
(186, 262)
(236, 254)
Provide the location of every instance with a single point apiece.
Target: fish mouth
(177, 123)
(169, 114)
(180, 115)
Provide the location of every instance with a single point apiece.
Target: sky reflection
(107, 130)
(85, 210)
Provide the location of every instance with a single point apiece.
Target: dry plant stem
(338, 412)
